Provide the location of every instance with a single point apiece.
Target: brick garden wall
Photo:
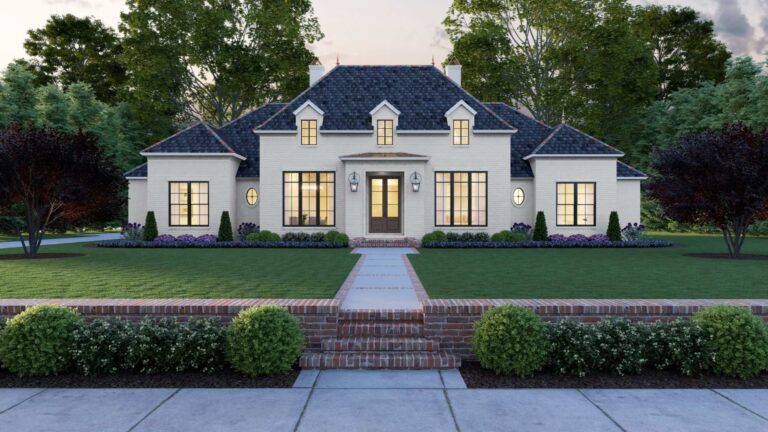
(451, 322)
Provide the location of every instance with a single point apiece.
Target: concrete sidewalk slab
(452, 379)
(66, 240)
(754, 400)
(212, 410)
(306, 378)
(13, 396)
(74, 410)
(379, 379)
(674, 410)
(527, 410)
(367, 410)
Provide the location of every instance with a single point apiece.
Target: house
(383, 152)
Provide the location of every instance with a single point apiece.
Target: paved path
(82, 239)
(424, 400)
(382, 281)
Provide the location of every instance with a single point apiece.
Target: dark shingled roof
(565, 140)
(198, 138)
(422, 94)
(624, 170)
(139, 171)
(239, 134)
(530, 133)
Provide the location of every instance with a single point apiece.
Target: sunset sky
(375, 32)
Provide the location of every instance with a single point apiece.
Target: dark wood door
(384, 198)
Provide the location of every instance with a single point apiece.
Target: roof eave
(170, 154)
(533, 155)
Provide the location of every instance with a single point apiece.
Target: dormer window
(384, 129)
(309, 132)
(461, 132)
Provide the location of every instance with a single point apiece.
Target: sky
(377, 32)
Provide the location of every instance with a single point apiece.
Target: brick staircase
(376, 243)
(380, 339)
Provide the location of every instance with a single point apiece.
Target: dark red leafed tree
(55, 177)
(717, 177)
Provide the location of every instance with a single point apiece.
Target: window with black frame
(576, 204)
(461, 198)
(188, 203)
(384, 132)
(309, 199)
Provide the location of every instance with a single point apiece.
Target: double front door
(385, 210)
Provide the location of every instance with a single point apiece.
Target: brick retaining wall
(451, 322)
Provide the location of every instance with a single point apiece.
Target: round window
(518, 197)
(252, 196)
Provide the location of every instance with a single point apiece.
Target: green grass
(595, 273)
(175, 273)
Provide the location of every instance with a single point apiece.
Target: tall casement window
(188, 203)
(309, 199)
(576, 204)
(309, 132)
(461, 132)
(384, 129)
(461, 199)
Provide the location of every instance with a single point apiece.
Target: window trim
(460, 121)
(391, 130)
(522, 202)
(189, 203)
(317, 198)
(453, 197)
(312, 122)
(257, 197)
(576, 203)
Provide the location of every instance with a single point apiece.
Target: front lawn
(176, 273)
(596, 273)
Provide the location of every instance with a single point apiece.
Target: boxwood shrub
(38, 341)
(573, 348)
(201, 345)
(100, 347)
(434, 236)
(511, 340)
(263, 236)
(682, 345)
(337, 238)
(509, 236)
(264, 340)
(738, 339)
(621, 345)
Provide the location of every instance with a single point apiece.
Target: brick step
(382, 344)
(381, 315)
(379, 360)
(381, 328)
(376, 243)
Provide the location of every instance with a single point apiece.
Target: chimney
(453, 71)
(316, 71)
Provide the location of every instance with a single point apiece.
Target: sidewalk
(425, 400)
(80, 239)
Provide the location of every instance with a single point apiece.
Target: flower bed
(160, 244)
(550, 244)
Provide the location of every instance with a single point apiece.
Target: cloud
(733, 27)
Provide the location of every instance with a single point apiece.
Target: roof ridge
(210, 129)
(258, 108)
(518, 111)
(546, 140)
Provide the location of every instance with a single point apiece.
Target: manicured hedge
(550, 244)
(128, 244)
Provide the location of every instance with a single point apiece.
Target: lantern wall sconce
(416, 181)
(354, 181)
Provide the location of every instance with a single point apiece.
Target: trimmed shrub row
(727, 340)
(551, 244)
(260, 239)
(48, 339)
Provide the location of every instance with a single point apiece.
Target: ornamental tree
(55, 177)
(717, 177)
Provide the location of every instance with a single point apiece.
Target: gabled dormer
(461, 121)
(309, 119)
(384, 119)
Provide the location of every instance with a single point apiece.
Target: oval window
(518, 197)
(252, 197)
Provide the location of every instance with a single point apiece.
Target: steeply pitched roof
(139, 171)
(530, 133)
(239, 134)
(626, 171)
(198, 138)
(565, 140)
(347, 94)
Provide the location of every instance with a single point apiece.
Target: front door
(385, 204)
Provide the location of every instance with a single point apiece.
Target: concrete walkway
(66, 240)
(382, 281)
(424, 400)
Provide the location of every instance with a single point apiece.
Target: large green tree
(218, 58)
(685, 49)
(70, 49)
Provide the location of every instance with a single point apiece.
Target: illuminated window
(461, 132)
(252, 196)
(461, 199)
(188, 203)
(576, 204)
(518, 197)
(309, 132)
(384, 132)
(309, 198)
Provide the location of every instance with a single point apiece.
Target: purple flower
(207, 238)
(185, 238)
(598, 238)
(557, 238)
(165, 238)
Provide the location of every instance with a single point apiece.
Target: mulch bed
(38, 256)
(745, 257)
(223, 379)
(477, 377)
